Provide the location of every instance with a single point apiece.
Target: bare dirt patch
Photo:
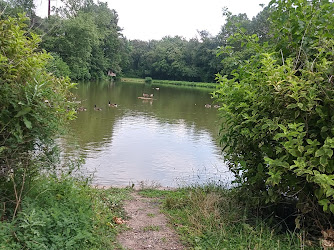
(148, 227)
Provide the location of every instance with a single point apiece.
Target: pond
(169, 140)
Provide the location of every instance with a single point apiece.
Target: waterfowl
(216, 106)
(147, 95)
(207, 105)
(114, 105)
(81, 109)
(96, 108)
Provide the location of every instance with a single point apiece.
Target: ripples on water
(149, 142)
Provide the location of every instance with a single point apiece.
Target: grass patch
(133, 80)
(175, 83)
(64, 213)
(213, 218)
(188, 84)
(153, 193)
(151, 228)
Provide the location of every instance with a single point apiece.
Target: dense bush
(277, 130)
(33, 106)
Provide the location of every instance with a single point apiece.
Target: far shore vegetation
(176, 83)
(275, 78)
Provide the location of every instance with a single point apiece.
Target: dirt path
(148, 227)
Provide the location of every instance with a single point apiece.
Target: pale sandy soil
(148, 227)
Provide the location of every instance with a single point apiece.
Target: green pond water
(170, 140)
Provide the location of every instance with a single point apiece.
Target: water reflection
(170, 140)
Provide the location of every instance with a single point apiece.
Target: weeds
(64, 213)
(213, 218)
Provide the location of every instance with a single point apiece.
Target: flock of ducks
(80, 109)
(114, 105)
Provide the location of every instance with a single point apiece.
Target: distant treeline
(86, 43)
(175, 58)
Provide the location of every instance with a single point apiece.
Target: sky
(153, 19)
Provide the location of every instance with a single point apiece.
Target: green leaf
(291, 106)
(2, 148)
(323, 161)
(331, 207)
(330, 192)
(297, 114)
(23, 112)
(319, 193)
(278, 136)
(324, 203)
(27, 123)
(320, 152)
(300, 105)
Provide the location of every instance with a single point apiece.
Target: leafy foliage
(87, 40)
(237, 34)
(64, 213)
(33, 107)
(174, 58)
(57, 66)
(278, 122)
(14, 7)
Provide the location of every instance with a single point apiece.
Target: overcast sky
(154, 19)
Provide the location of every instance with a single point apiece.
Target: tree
(205, 61)
(106, 54)
(235, 35)
(14, 7)
(88, 40)
(73, 39)
(71, 8)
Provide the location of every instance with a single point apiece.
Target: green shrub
(148, 80)
(277, 132)
(33, 107)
